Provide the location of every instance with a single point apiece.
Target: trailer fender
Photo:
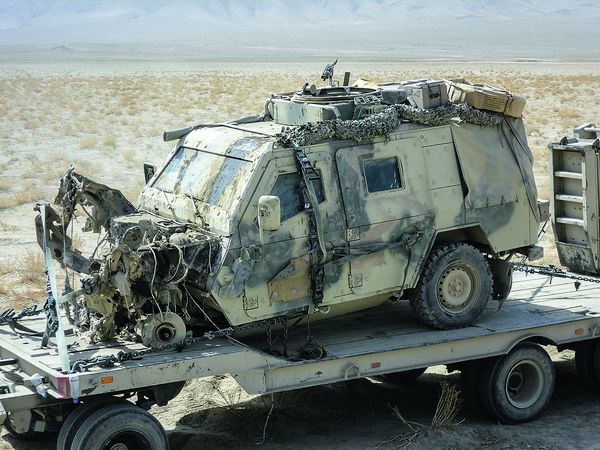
(533, 338)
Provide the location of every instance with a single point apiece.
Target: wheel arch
(472, 234)
(538, 339)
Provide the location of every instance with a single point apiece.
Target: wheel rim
(165, 332)
(524, 384)
(458, 286)
(127, 440)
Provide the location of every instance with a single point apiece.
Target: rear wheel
(454, 288)
(120, 426)
(470, 375)
(517, 387)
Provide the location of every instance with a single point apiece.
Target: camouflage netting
(382, 123)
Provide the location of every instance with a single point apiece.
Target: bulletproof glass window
(382, 174)
(287, 188)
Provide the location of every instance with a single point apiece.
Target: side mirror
(149, 171)
(269, 213)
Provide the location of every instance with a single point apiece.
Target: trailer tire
(517, 387)
(454, 288)
(77, 417)
(587, 363)
(596, 364)
(29, 435)
(122, 423)
(470, 376)
(407, 376)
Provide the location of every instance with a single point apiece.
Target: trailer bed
(377, 341)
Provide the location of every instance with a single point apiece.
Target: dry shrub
(26, 296)
(7, 227)
(128, 155)
(20, 198)
(154, 133)
(444, 418)
(88, 142)
(6, 184)
(5, 291)
(25, 282)
(31, 268)
(6, 268)
(226, 396)
(69, 130)
(109, 140)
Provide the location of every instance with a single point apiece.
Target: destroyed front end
(148, 274)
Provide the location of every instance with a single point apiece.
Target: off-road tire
(121, 422)
(447, 265)
(516, 388)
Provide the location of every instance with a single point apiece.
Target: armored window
(382, 174)
(287, 188)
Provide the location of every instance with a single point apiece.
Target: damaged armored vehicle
(334, 199)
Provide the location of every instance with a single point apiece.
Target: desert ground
(107, 119)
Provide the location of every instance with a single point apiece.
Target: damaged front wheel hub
(162, 329)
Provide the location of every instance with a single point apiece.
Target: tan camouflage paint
(380, 240)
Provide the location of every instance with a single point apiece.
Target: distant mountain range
(362, 29)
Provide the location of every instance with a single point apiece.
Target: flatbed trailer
(510, 377)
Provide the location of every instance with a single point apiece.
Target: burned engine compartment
(147, 277)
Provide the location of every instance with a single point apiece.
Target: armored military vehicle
(333, 199)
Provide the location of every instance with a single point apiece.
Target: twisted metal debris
(383, 122)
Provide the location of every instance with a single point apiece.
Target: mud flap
(502, 275)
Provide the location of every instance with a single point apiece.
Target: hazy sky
(545, 29)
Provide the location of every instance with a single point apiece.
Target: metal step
(569, 198)
(570, 221)
(567, 174)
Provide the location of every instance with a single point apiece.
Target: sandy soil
(107, 119)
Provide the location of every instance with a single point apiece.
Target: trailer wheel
(517, 387)
(29, 435)
(470, 376)
(408, 376)
(77, 417)
(587, 361)
(120, 426)
(596, 364)
(454, 288)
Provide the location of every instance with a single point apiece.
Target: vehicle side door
(387, 202)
